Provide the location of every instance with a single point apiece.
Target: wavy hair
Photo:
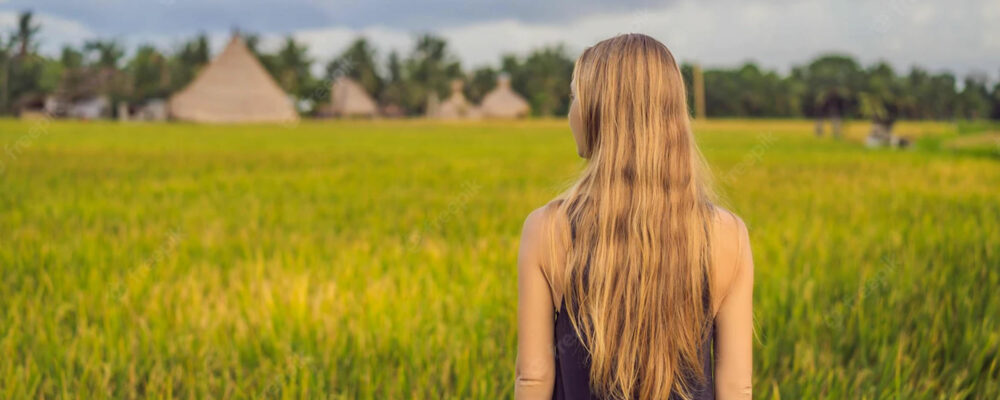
(636, 270)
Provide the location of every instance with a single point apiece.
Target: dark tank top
(573, 364)
(573, 361)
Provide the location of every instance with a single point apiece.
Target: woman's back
(650, 271)
(572, 374)
(730, 256)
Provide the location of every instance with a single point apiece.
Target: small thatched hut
(456, 106)
(349, 99)
(234, 87)
(503, 102)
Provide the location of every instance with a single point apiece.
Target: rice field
(376, 260)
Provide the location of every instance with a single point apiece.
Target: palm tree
(70, 58)
(187, 60)
(25, 35)
(358, 63)
(429, 70)
(5, 59)
(149, 74)
(831, 84)
(24, 39)
(293, 67)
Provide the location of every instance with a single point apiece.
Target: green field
(377, 259)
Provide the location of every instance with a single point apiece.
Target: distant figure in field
(881, 132)
(883, 111)
(628, 279)
(831, 105)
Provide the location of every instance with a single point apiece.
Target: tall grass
(377, 259)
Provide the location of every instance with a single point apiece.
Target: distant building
(456, 106)
(503, 102)
(152, 110)
(83, 93)
(32, 106)
(91, 107)
(124, 111)
(233, 88)
(349, 99)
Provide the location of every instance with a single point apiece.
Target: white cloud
(56, 32)
(325, 43)
(962, 35)
(962, 38)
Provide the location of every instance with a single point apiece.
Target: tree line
(834, 84)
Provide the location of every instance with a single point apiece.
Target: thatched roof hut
(349, 99)
(234, 87)
(456, 106)
(503, 102)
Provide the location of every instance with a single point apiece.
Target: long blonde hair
(637, 268)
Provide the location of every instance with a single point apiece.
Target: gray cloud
(960, 35)
(116, 17)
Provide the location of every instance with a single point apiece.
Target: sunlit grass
(376, 259)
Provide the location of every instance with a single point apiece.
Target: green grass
(977, 126)
(377, 259)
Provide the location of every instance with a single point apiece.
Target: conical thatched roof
(457, 106)
(234, 87)
(348, 98)
(503, 102)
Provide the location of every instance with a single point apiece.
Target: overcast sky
(962, 36)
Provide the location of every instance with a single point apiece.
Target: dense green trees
(394, 91)
(831, 85)
(22, 67)
(479, 82)
(359, 62)
(838, 85)
(428, 72)
(748, 92)
(543, 78)
(292, 68)
(150, 74)
(187, 60)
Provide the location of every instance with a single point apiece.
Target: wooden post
(699, 92)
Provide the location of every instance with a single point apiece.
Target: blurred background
(322, 199)
(116, 59)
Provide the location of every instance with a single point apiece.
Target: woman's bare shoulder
(730, 242)
(728, 228)
(538, 226)
(543, 218)
(543, 239)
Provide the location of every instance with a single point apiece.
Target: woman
(627, 280)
